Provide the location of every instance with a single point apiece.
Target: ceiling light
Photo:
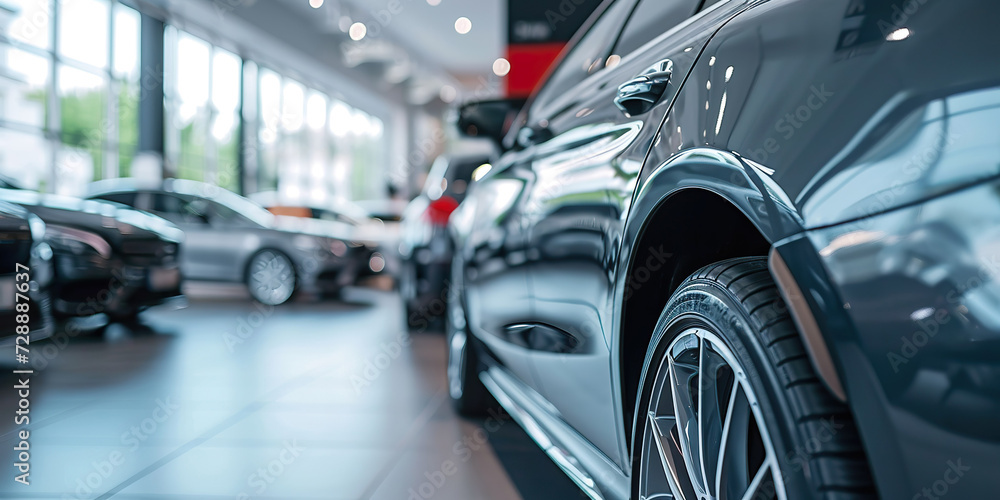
(463, 25)
(448, 93)
(434, 2)
(501, 67)
(315, 3)
(358, 31)
(900, 34)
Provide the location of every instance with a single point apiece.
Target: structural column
(151, 60)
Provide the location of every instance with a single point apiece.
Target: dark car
(25, 279)
(425, 247)
(747, 249)
(108, 258)
(229, 238)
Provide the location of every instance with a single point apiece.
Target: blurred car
(425, 247)
(108, 258)
(229, 238)
(336, 210)
(25, 273)
(356, 221)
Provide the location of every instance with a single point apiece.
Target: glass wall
(202, 100)
(311, 147)
(69, 91)
(69, 99)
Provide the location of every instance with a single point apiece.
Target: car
(25, 279)
(745, 249)
(425, 247)
(108, 259)
(229, 238)
(356, 221)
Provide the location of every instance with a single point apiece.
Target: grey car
(229, 238)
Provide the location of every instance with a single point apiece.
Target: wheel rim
(272, 278)
(457, 340)
(704, 437)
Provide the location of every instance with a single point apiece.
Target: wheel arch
(668, 248)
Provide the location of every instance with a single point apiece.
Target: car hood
(111, 221)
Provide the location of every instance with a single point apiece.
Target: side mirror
(488, 119)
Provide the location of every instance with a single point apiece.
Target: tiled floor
(225, 400)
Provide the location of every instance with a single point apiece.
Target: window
(83, 31)
(588, 56)
(59, 137)
(325, 149)
(203, 92)
(650, 19)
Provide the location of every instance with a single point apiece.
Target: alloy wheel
(704, 437)
(272, 278)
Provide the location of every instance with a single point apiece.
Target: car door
(596, 135)
(200, 255)
(498, 251)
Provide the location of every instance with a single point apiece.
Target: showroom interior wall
(236, 96)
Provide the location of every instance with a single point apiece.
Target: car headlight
(77, 241)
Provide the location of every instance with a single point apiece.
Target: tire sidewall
(706, 304)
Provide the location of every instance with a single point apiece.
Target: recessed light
(463, 25)
(315, 3)
(501, 67)
(358, 31)
(433, 2)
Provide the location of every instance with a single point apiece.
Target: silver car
(229, 238)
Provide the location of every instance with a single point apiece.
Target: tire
(761, 419)
(270, 277)
(468, 395)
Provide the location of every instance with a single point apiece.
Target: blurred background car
(108, 258)
(23, 254)
(425, 245)
(232, 239)
(357, 223)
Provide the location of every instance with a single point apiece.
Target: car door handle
(641, 93)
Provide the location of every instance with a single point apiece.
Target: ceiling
(418, 36)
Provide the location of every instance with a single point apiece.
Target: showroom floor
(228, 400)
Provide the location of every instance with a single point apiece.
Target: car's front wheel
(270, 277)
(731, 407)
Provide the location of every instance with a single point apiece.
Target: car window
(588, 56)
(167, 204)
(179, 209)
(650, 19)
(228, 216)
(123, 198)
